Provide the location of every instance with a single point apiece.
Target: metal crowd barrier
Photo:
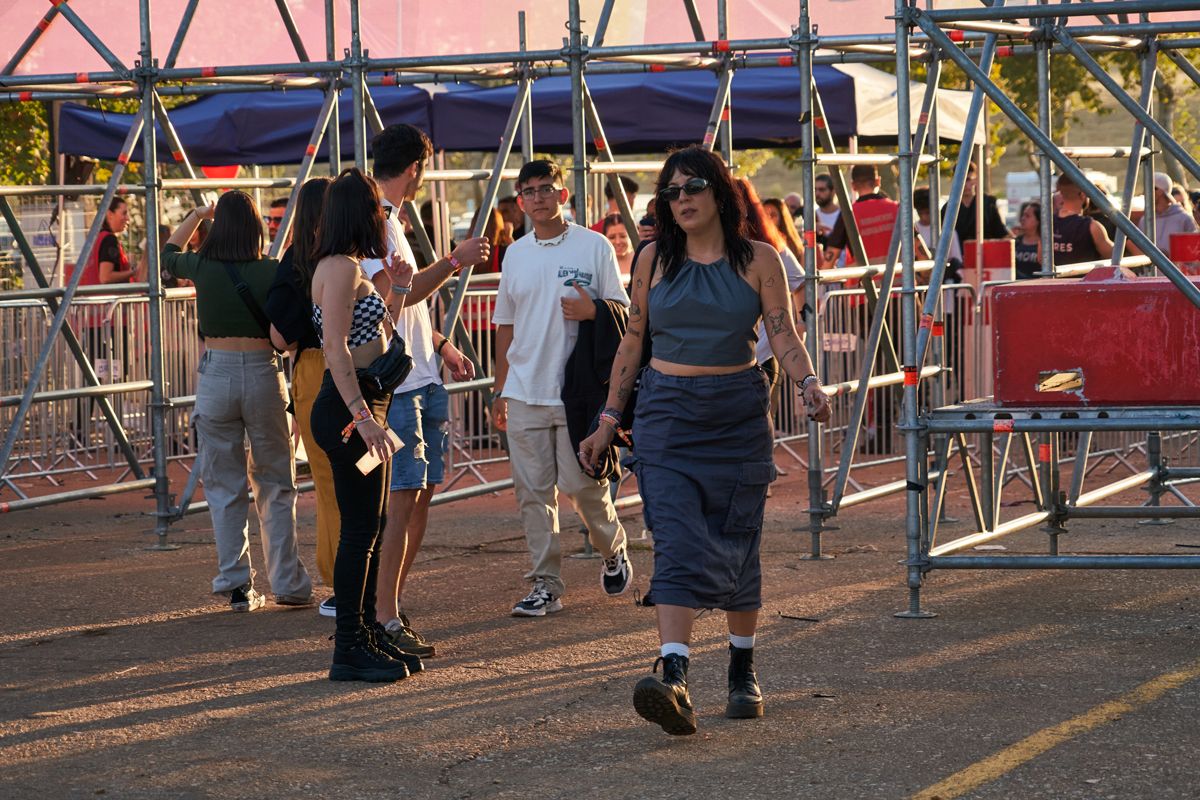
(67, 434)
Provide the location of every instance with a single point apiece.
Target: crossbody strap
(251, 304)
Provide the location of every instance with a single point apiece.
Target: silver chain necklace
(553, 242)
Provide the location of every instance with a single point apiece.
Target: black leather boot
(666, 702)
(745, 698)
(356, 658)
(383, 642)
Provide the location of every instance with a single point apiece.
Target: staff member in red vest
(875, 214)
(108, 263)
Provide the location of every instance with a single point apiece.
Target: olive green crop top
(221, 309)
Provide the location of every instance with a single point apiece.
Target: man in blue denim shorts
(420, 408)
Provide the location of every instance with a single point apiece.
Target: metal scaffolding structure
(999, 428)
(149, 81)
(971, 39)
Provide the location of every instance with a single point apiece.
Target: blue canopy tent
(641, 112)
(240, 128)
(645, 112)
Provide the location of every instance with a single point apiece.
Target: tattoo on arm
(776, 322)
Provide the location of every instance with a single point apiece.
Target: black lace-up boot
(356, 658)
(383, 642)
(745, 698)
(666, 702)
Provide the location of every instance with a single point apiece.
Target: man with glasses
(274, 218)
(549, 284)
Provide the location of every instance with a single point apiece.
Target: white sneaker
(616, 574)
(538, 603)
(244, 599)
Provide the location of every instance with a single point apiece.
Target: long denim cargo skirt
(702, 456)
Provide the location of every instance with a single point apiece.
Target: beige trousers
(544, 463)
(242, 397)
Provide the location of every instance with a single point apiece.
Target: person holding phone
(349, 417)
(702, 440)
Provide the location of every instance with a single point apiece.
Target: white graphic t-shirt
(533, 279)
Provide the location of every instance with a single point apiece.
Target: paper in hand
(371, 460)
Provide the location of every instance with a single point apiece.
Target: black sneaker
(616, 574)
(362, 661)
(328, 607)
(381, 640)
(538, 603)
(244, 599)
(406, 639)
(666, 702)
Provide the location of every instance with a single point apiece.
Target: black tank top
(1027, 260)
(1073, 240)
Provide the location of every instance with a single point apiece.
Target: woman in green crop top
(241, 396)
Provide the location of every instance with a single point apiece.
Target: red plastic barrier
(1120, 341)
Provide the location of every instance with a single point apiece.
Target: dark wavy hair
(696, 162)
(113, 205)
(309, 205)
(237, 230)
(352, 222)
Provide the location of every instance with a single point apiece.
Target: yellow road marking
(1008, 759)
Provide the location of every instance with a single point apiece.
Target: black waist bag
(384, 374)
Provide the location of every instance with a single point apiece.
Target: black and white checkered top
(365, 326)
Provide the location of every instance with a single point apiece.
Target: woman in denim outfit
(701, 438)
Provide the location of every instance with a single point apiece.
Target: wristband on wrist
(804, 382)
(455, 264)
(401, 289)
(441, 344)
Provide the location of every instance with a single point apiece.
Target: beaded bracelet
(360, 418)
(805, 380)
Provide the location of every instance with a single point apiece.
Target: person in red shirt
(875, 214)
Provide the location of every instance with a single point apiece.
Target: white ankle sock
(675, 649)
(744, 642)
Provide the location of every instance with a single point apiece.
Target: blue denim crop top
(706, 316)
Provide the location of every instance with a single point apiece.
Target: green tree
(1175, 96)
(25, 142)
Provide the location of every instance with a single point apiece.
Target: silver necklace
(552, 242)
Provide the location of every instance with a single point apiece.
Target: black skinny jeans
(362, 501)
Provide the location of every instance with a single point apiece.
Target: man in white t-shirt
(549, 282)
(420, 407)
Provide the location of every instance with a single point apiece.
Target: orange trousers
(307, 373)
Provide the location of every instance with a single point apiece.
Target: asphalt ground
(121, 677)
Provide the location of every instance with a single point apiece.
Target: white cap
(1162, 182)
